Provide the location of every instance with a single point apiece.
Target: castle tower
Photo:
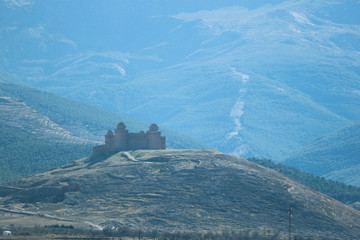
(154, 137)
(109, 138)
(121, 138)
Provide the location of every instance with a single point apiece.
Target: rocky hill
(174, 190)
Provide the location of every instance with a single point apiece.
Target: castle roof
(121, 126)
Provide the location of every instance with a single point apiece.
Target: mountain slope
(23, 154)
(18, 115)
(252, 78)
(178, 190)
(236, 113)
(41, 131)
(347, 175)
(335, 152)
(83, 120)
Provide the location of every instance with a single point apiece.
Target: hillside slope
(349, 175)
(82, 120)
(23, 154)
(177, 190)
(334, 152)
(347, 194)
(40, 131)
(18, 115)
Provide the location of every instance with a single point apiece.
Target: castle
(122, 140)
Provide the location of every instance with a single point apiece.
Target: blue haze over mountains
(250, 78)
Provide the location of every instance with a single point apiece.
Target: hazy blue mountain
(71, 117)
(348, 175)
(251, 78)
(336, 156)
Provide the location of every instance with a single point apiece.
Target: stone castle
(122, 140)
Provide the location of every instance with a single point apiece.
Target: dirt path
(43, 215)
(130, 157)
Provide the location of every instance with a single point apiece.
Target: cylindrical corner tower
(109, 139)
(153, 137)
(121, 138)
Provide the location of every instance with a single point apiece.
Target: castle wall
(137, 141)
(163, 143)
(101, 149)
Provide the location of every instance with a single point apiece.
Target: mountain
(31, 143)
(347, 175)
(175, 190)
(250, 78)
(81, 120)
(24, 154)
(41, 131)
(332, 156)
(18, 115)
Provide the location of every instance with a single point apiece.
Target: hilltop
(175, 190)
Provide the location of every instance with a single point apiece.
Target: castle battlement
(122, 140)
